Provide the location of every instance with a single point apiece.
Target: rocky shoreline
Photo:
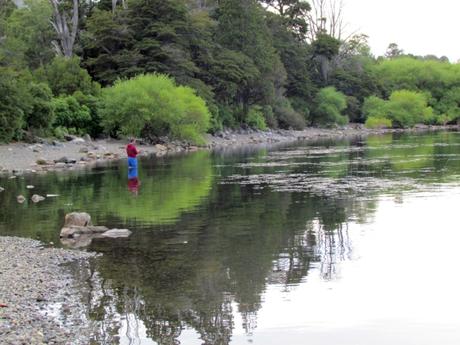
(77, 153)
(40, 302)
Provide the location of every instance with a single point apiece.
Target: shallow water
(350, 242)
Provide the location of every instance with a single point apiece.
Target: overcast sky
(420, 27)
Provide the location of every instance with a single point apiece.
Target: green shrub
(71, 114)
(93, 103)
(255, 118)
(286, 116)
(153, 105)
(11, 112)
(378, 122)
(329, 106)
(375, 107)
(269, 116)
(65, 76)
(407, 108)
(40, 114)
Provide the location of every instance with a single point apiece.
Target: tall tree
(242, 28)
(294, 14)
(65, 23)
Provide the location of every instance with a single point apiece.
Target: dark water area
(351, 242)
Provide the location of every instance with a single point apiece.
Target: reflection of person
(132, 153)
(133, 185)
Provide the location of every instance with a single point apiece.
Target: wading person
(132, 153)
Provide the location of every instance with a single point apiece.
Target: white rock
(37, 198)
(116, 233)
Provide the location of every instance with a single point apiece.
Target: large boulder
(77, 219)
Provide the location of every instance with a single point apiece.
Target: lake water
(349, 242)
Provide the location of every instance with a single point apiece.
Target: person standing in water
(132, 153)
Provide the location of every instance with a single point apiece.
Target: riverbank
(40, 302)
(52, 155)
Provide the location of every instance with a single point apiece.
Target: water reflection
(223, 245)
(133, 180)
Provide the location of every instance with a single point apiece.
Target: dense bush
(71, 114)
(404, 108)
(329, 106)
(255, 118)
(65, 76)
(378, 122)
(407, 108)
(286, 116)
(153, 105)
(40, 112)
(11, 112)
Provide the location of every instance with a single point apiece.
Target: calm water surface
(350, 242)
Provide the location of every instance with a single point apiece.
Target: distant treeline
(183, 67)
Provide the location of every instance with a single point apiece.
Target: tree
(294, 13)
(66, 32)
(323, 50)
(393, 51)
(65, 76)
(242, 28)
(28, 35)
(108, 47)
(327, 17)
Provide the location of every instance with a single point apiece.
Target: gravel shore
(39, 298)
(52, 155)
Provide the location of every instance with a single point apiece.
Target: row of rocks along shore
(75, 153)
(39, 297)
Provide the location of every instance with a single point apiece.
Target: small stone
(41, 161)
(37, 198)
(2, 189)
(83, 150)
(61, 160)
(30, 186)
(20, 199)
(78, 141)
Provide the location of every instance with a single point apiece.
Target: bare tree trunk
(66, 36)
(327, 16)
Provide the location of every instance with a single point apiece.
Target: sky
(419, 27)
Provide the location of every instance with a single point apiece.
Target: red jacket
(131, 150)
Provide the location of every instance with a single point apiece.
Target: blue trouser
(132, 163)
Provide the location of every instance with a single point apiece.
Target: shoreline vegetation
(48, 155)
(184, 69)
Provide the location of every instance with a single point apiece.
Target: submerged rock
(2, 189)
(117, 233)
(74, 230)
